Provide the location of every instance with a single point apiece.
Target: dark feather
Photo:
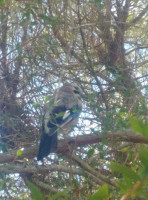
(48, 144)
(56, 117)
(58, 113)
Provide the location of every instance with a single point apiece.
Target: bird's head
(73, 88)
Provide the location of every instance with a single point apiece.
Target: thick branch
(7, 169)
(83, 140)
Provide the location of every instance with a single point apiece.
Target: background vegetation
(101, 45)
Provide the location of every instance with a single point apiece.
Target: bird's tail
(48, 144)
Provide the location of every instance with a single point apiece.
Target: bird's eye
(76, 92)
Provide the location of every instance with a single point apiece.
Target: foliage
(101, 46)
(101, 194)
(36, 194)
(134, 179)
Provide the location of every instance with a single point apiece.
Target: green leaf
(18, 47)
(101, 194)
(10, 168)
(2, 176)
(125, 171)
(143, 155)
(35, 192)
(36, 105)
(60, 195)
(39, 1)
(75, 183)
(90, 153)
(2, 2)
(124, 149)
(98, 1)
(19, 152)
(47, 98)
(75, 109)
(49, 20)
(144, 173)
(123, 186)
(139, 125)
(3, 148)
(61, 114)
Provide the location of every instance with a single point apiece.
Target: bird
(61, 113)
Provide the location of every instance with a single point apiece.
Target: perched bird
(61, 114)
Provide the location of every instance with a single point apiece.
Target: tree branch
(13, 168)
(82, 140)
(136, 19)
(91, 170)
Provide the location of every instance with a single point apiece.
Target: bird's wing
(59, 118)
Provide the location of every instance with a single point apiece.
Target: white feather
(66, 114)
